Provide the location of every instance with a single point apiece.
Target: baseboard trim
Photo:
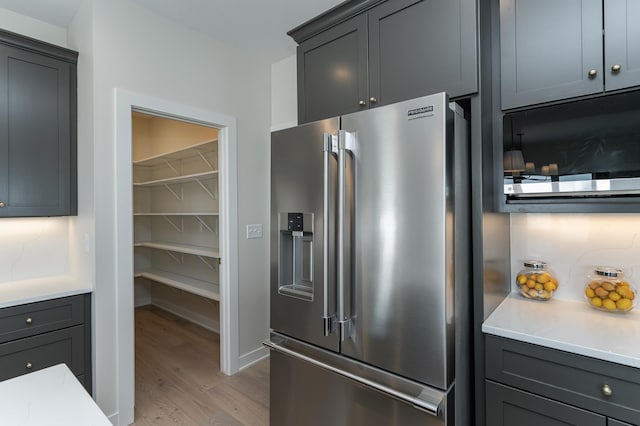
(252, 357)
(114, 419)
(188, 315)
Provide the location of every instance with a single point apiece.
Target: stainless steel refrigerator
(370, 268)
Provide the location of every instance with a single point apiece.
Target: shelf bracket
(178, 260)
(173, 169)
(205, 159)
(204, 224)
(205, 189)
(176, 227)
(206, 263)
(179, 197)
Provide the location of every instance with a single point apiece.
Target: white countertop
(52, 397)
(19, 292)
(569, 326)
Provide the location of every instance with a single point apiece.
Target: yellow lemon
(623, 304)
(614, 296)
(531, 283)
(625, 292)
(589, 292)
(538, 286)
(543, 277)
(551, 286)
(609, 304)
(596, 301)
(522, 279)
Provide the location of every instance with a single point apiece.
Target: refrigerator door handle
(428, 400)
(329, 319)
(345, 143)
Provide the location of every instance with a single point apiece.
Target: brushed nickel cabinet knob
(362, 103)
(2, 204)
(592, 73)
(29, 320)
(29, 366)
(373, 100)
(616, 68)
(606, 390)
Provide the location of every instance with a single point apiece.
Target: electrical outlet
(254, 231)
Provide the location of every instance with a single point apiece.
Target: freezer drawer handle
(422, 402)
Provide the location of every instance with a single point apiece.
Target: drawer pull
(29, 320)
(606, 390)
(29, 366)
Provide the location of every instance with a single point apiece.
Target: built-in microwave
(587, 148)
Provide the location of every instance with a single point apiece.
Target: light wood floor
(178, 378)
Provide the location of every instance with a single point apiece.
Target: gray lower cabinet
(370, 53)
(543, 386)
(552, 50)
(42, 334)
(38, 144)
(509, 406)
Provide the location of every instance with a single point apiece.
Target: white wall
(284, 96)
(573, 244)
(136, 50)
(33, 28)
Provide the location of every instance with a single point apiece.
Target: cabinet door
(612, 422)
(35, 176)
(422, 47)
(621, 43)
(332, 71)
(548, 48)
(508, 406)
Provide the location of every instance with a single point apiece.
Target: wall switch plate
(254, 231)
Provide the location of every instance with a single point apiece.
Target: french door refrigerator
(370, 268)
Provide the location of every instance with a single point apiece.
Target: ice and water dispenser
(295, 260)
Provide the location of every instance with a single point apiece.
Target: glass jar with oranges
(535, 281)
(608, 291)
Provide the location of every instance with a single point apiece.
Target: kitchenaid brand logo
(425, 111)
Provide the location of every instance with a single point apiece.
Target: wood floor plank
(178, 378)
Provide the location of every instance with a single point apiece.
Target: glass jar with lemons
(536, 281)
(608, 291)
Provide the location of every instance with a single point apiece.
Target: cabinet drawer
(508, 406)
(566, 377)
(38, 352)
(21, 321)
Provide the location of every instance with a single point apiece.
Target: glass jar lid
(607, 271)
(535, 264)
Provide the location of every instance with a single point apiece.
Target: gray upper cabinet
(38, 122)
(367, 53)
(621, 43)
(549, 50)
(552, 50)
(332, 71)
(421, 47)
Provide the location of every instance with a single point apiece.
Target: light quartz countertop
(570, 326)
(19, 292)
(52, 396)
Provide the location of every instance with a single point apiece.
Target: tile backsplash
(33, 248)
(574, 244)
